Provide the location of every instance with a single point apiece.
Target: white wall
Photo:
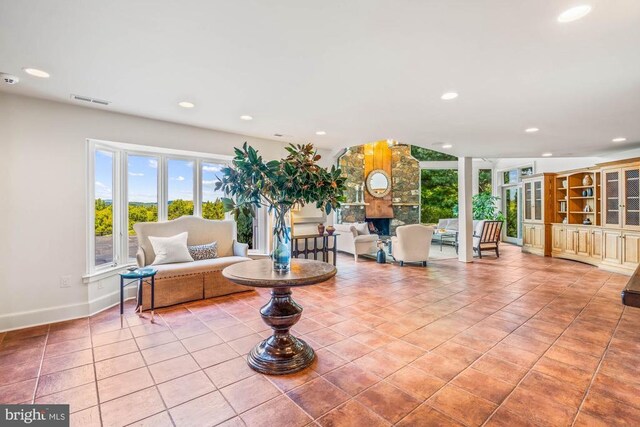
(43, 199)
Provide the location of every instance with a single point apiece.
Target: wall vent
(89, 99)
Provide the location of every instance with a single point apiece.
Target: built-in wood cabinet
(594, 215)
(537, 213)
(621, 206)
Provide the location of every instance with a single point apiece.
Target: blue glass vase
(281, 254)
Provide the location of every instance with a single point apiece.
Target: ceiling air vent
(89, 99)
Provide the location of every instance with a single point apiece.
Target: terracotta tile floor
(520, 340)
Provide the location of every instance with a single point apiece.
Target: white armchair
(412, 243)
(354, 238)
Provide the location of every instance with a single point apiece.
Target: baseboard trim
(61, 313)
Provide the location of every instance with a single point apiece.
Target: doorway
(511, 199)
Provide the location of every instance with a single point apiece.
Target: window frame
(121, 152)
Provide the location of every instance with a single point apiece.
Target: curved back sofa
(190, 281)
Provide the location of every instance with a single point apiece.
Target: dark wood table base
(281, 353)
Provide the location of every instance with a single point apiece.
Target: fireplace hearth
(379, 226)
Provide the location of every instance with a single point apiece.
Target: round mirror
(378, 183)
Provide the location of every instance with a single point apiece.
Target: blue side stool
(139, 276)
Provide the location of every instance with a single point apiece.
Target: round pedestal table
(281, 353)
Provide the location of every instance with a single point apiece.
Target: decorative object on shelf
(358, 194)
(378, 183)
(563, 206)
(330, 230)
(587, 180)
(280, 184)
(564, 220)
(590, 192)
(564, 183)
(587, 221)
(585, 193)
(320, 229)
(587, 208)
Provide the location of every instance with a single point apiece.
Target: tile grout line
(44, 350)
(95, 374)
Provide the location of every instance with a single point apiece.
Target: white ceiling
(361, 70)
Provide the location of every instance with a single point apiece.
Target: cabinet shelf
(582, 186)
(581, 212)
(584, 197)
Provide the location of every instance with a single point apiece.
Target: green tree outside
(439, 189)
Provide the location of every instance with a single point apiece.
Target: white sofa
(354, 238)
(412, 243)
(188, 281)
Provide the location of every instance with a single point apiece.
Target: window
(514, 176)
(180, 201)
(104, 247)
(142, 195)
(211, 203)
(129, 184)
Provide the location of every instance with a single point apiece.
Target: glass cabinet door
(537, 200)
(612, 197)
(631, 205)
(528, 198)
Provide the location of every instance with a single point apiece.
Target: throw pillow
(170, 249)
(362, 228)
(200, 252)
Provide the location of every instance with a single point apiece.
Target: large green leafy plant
(484, 206)
(279, 184)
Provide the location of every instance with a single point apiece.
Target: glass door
(612, 202)
(512, 213)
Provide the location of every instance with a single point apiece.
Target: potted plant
(280, 184)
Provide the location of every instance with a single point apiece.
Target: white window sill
(105, 273)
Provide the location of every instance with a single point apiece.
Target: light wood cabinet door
(611, 195)
(612, 246)
(631, 198)
(596, 244)
(583, 242)
(557, 238)
(570, 245)
(528, 201)
(527, 235)
(631, 249)
(538, 204)
(537, 236)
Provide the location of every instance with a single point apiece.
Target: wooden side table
(139, 276)
(307, 250)
(281, 353)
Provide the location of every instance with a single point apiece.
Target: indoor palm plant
(280, 184)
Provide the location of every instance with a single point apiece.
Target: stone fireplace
(401, 207)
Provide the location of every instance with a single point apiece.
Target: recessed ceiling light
(449, 96)
(620, 139)
(531, 130)
(36, 73)
(246, 117)
(547, 154)
(574, 13)
(186, 104)
(446, 146)
(321, 132)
